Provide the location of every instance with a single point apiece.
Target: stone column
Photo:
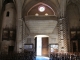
(0, 23)
(62, 33)
(23, 35)
(65, 33)
(19, 27)
(19, 36)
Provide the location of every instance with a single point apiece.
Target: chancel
(39, 29)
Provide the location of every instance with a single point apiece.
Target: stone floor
(41, 58)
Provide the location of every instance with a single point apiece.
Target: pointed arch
(33, 3)
(35, 9)
(73, 15)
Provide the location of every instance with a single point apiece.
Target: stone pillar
(19, 40)
(0, 23)
(19, 36)
(23, 34)
(62, 27)
(65, 35)
(62, 33)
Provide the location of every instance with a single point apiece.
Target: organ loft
(40, 26)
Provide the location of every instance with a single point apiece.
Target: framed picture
(73, 34)
(5, 34)
(12, 35)
(28, 47)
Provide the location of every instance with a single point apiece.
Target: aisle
(41, 58)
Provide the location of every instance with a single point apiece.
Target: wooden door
(45, 46)
(35, 45)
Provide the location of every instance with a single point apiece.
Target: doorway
(74, 45)
(41, 45)
(10, 49)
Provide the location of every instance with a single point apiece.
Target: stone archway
(41, 45)
(32, 3)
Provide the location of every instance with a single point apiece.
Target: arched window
(7, 14)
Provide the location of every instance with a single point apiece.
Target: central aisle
(41, 58)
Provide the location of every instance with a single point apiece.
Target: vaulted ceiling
(59, 7)
(59, 4)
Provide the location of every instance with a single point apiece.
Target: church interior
(39, 28)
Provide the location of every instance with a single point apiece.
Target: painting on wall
(28, 47)
(5, 35)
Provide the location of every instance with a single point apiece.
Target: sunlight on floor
(42, 58)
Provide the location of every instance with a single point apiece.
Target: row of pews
(30, 55)
(64, 56)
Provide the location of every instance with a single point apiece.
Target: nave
(41, 58)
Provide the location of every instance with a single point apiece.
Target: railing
(40, 18)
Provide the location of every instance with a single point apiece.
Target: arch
(7, 1)
(72, 3)
(32, 3)
(73, 14)
(35, 9)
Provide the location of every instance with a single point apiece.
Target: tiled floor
(41, 58)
